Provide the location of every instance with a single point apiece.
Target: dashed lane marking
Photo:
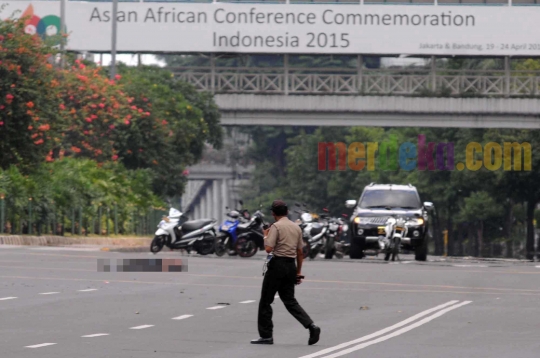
(7, 298)
(249, 301)
(41, 345)
(49, 293)
(143, 327)
(89, 290)
(183, 317)
(215, 307)
(95, 335)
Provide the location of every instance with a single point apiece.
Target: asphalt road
(54, 303)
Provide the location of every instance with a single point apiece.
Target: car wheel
(420, 252)
(357, 248)
(329, 252)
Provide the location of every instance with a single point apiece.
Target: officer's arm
(299, 255)
(299, 260)
(271, 240)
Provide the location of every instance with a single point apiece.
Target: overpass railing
(344, 81)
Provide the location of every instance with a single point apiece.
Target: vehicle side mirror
(349, 204)
(429, 205)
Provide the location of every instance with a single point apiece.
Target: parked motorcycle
(228, 231)
(395, 230)
(250, 236)
(314, 233)
(198, 235)
(336, 243)
(304, 221)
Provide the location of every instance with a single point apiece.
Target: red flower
(185, 172)
(101, 105)
(2, 107)
(164, 122)
(62, 107)
(134, 108)
(127, 122)
(38, 142)
(89, 120)
(44, 127)
(118, 77)
(1, 123)
(111, 126)
(30, 104)
(9, 97)
(30, 128)
(75, 149)
(114, 157)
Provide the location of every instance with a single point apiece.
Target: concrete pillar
(216, 200)
(197, 211)
(209, 201)
(203, 206)
(224, 194)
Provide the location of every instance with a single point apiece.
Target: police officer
(284, 238)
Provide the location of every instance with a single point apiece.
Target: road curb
(68, 241)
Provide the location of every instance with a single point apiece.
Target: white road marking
(49, 293)
(95, 335)
(88, 290)
(470, 265)
(40, 345)
(382, 331)
(276, 296)
(215, 307)
(183, 317)
(249, 301)
(537, 266)
(7, 298)
(143, 327)
(398, 332)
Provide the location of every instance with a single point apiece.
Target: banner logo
(43, 26)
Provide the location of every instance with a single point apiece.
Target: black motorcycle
(250, 236)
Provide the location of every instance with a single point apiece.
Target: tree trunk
(471, 239)
(529, 247)
(508, 230)
(480, 239)
(450, 233)
(437, 232)
(460, 240)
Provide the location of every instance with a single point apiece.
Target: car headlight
(415, 222)
(361, 220)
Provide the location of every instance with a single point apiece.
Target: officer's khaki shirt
(285, 237)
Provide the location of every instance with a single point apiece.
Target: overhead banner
(279, 28)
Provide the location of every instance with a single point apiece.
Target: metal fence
(496, 83)
(82, 221)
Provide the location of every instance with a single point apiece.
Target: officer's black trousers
(279, 278)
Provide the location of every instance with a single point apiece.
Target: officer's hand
(266, 232)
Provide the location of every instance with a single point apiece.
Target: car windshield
(405, 199)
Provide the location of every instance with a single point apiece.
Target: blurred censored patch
(142, 265)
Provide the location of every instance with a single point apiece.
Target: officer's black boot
(314, 333)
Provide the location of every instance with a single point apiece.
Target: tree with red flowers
(97, 112)
(29, 116)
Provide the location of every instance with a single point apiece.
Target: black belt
(279, 258)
